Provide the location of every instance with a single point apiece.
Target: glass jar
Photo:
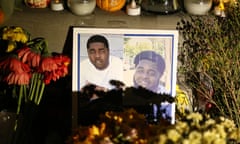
(198, 7)
(160, 6)
(82, 7)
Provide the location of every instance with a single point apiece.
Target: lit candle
(219, 10)
(133, 9)
(57, 5)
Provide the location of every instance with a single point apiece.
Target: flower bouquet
(26, 65)
(131, 127)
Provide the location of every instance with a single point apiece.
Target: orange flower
(48, 76)
(16, 71)
(47, 64)
(18, 78)
(29, 57)
(62, 62)
(61, 70)
(13, 64)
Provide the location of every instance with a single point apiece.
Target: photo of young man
(100, 67)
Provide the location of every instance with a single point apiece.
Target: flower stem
(19, 105)
(32, 87)
(20, 99)
(41, 93)
(39, 82)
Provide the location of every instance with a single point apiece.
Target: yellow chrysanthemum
(162, 139)
(173, 135)
(11, 46)
(182, 127)
(16, 34)
(186, 141)
(228, 124)
(221, 131)
(208, 137)
(195, 137)
(219, 141)
(195, 116)
(209, 123)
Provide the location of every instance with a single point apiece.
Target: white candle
(196, 7)
(56, 5)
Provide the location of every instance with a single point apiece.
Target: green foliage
(134, 46)
(211, 46)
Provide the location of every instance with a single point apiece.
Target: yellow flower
(16, 34)
(11, 46)
(186, 141)
(195, 137)
(221, 131)
(182, 100)
(162, 139)
(219, 141)
(196, 118)
(94, 130)
(228, 124)
(209, 123)
(209, 136)
(13, 35)
(173, 135)
(182, 127)
(235, 134)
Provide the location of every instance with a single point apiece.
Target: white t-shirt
(89, 74)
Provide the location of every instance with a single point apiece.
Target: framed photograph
(137, 57)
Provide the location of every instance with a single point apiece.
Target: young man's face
(147, 75)
(98, 55)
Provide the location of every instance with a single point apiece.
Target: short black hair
(98, 38)
(152, 56)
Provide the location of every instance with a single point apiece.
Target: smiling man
(149, 69)
(100, 67)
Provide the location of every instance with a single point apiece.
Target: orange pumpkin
(111, 5)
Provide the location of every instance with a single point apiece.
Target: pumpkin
(111, 5)
(37, 3)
